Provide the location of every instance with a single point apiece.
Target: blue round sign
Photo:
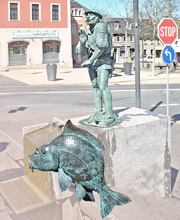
(168, 55)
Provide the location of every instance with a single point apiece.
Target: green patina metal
(96, 43)
(76, 156)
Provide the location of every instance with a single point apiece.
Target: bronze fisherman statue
(96, 43)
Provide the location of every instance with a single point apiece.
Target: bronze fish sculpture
(76, 156)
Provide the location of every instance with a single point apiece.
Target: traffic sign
(167, 31)
(168, 55)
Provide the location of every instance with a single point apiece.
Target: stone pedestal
(137, 152)
(136, 156)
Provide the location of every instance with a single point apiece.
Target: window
(124, 39)
(152, 41)
(116, 25)
(118, 39)
(151, 51)
(51, 50)
(145, 41)
(131, 39)
(17, 52)
(76, 12)
(14, 11)
(80, 26)
(35, 12)
(129, 26)
(158, 53)
(73, 29)
(55, 12)
(145, 52)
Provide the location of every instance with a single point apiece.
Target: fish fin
(89, 196)
(64, 180)
(80, 192)
(109, 199)
(69, 128)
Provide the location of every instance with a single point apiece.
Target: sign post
(168, 56)
(168, 33)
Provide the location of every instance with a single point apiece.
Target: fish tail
(109, 199)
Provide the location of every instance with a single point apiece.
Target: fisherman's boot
(109, 116)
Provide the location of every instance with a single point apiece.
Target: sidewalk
(37, 75)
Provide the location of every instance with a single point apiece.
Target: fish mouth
(30, 164)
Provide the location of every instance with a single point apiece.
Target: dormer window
(116, 25)
(76, 12)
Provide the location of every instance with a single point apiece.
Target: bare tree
(154, 11)
(123, 9)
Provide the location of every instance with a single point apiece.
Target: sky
(103, 6)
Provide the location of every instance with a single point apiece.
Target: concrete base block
(137, 154)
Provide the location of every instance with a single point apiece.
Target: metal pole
(143, 51)
(167, 88)
(137, 60)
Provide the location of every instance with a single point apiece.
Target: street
(38, 103)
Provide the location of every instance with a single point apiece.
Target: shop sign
(20, 35)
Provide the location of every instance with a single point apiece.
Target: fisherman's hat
(96, 12)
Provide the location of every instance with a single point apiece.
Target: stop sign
(167, 31)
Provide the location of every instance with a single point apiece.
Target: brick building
(35, 31)
(78, 21)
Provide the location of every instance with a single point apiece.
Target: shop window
(17, 52)
(51, 50)
(14, 11)
(55, 12)
(35, 12)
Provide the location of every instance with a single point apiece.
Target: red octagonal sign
(167, 31)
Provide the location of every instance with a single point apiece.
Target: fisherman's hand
(86, 63)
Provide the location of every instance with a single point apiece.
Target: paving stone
(21, 195)
(7, 163)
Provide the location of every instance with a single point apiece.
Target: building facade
(122, 39)
(78, 21)
(35, 32)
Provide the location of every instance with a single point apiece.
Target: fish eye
(43, 151)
